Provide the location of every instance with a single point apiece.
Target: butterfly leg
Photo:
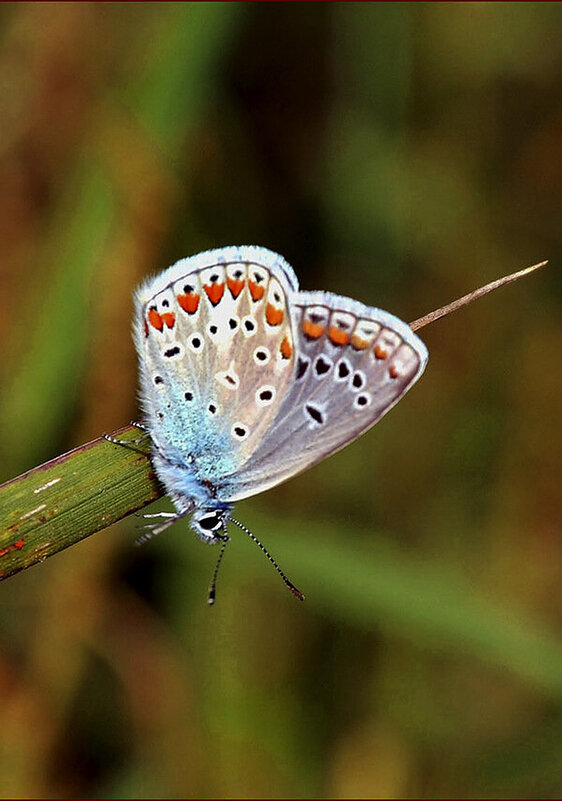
(128, 443)
(152, 529)
(140, 426)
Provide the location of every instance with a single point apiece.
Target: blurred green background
(400, 153)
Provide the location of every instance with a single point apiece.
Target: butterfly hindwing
(352, 364)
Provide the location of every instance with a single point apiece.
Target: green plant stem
(65, 500)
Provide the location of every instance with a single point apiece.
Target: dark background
(400, 153)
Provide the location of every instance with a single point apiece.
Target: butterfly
(246, 381)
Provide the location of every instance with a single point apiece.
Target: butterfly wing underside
(353, 363)
(215, 343)
(245, 381)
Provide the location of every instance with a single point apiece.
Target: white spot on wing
(228, 378)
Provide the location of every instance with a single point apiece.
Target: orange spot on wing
(256, 291)
(393, 372)
(338, 337)
(18, 545)
(380, 353)
(214, 292)
(312, 330)
(286, 349)
(358, 343)
(273, 316)
(189, 303)
(4, 551)
(155, 319)
(236, 286)
(169, 318)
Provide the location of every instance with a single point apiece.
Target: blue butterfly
(247, 381)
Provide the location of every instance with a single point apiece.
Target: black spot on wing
(321, 365)
(302, 366)
(315, 413)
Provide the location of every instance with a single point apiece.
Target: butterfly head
(210, 524)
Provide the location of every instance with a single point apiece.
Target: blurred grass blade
(166, 95)
(173, 80)
(432, 603)
(64, 500)
(47, 372)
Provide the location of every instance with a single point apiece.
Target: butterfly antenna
(213, 588)
(288, 584)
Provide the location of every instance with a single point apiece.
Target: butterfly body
(247, 381)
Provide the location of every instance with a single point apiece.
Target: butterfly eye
(211, 522)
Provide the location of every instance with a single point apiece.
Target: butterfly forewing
(352, 364)
(217, 353)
